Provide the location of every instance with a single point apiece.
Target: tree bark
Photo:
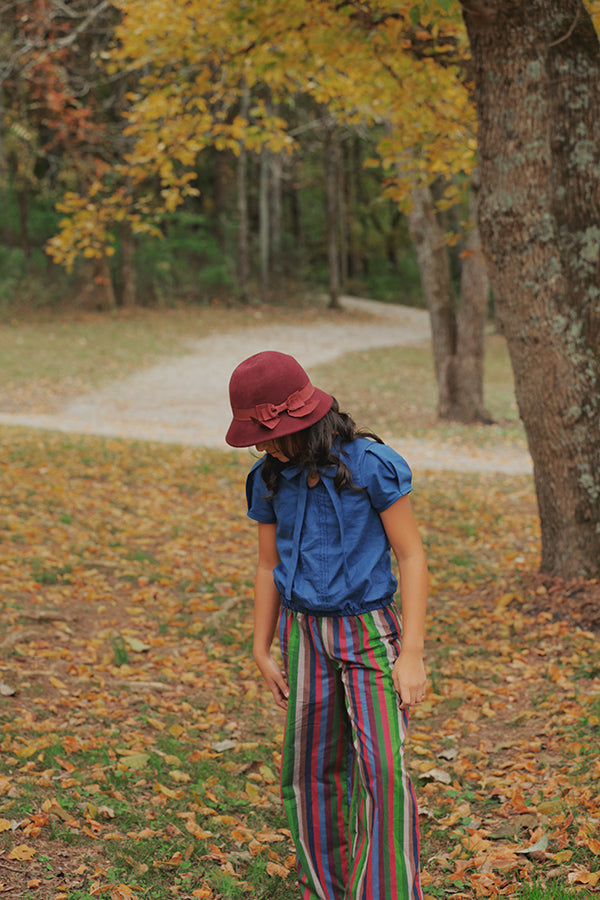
(264, 225)
(429, 240)
(219, 186)
(470, 322)
(331, 147)
(128, 272)
(343, 216)
(98, 290)
(457, 325)
(242, 205)
(536, 66)
(276, 213)
(22, 193)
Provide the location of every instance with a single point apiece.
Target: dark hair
(313, 448)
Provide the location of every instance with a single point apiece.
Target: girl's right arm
(266, 614)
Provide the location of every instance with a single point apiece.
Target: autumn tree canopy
(397, 66)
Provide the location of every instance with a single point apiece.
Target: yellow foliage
(395, 64)
(363, 65)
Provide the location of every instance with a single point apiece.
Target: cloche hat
(271, 396)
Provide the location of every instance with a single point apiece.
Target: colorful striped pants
(349, 801)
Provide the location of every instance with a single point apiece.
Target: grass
(141, 749)
(394, 391)
(45, 357)
(46, 361)
(140, 753)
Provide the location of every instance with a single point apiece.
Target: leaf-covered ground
(138, 751)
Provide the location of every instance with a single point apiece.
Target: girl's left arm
(402, 532)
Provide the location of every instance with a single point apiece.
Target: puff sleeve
(385, 474)
(260, 507)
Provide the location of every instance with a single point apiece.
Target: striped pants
(349, 801)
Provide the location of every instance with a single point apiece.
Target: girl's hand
(409, 678)
(275, 679)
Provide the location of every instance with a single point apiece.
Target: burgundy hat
(271, 396)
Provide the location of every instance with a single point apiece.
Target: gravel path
(185, 400)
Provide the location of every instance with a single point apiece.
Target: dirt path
(185, 400)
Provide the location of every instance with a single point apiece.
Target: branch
(48, 48)
(566, 36)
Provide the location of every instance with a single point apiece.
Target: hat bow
(296, 405)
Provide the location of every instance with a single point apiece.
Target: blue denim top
(334, 552)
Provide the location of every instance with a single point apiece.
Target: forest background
(223, 155)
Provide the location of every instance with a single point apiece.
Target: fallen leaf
(179, 776)
(221, 746)
(277, 870)
(135, 761)
(436, 775)
(449, 753)
(582, 877)
(562, 856)
(269, 836)
(549, 807)
(21, 852)
(538, 847)
(135, 644)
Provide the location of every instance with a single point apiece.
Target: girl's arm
(266, 614)
(409, 670)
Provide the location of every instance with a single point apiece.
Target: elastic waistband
(339, 611)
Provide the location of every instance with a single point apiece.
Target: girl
(330, 501)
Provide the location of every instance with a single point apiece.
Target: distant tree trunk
(104, 284)
(331, 146)
(292, 198)
(355, 190)
(242, 204)
(471, 319)
(98, 290)
(536, 66)
(23, 205)
(220, 182)
(128, 272)
(429, 240)
(457, 327)
(264, 224)
(343, 219)
(276, 213)
(2, 140)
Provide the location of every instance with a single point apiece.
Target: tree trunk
(470, 321)
(264, 224)
(128, 273)
(219, 185)
(276, 213)
(536, 65)
(331, 147)
(343, 219)
(98, 291)
(23, 205)
(242, 204)
(104, 284)
(434, 266)
(457, 328)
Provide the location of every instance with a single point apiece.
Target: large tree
(536, 66)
